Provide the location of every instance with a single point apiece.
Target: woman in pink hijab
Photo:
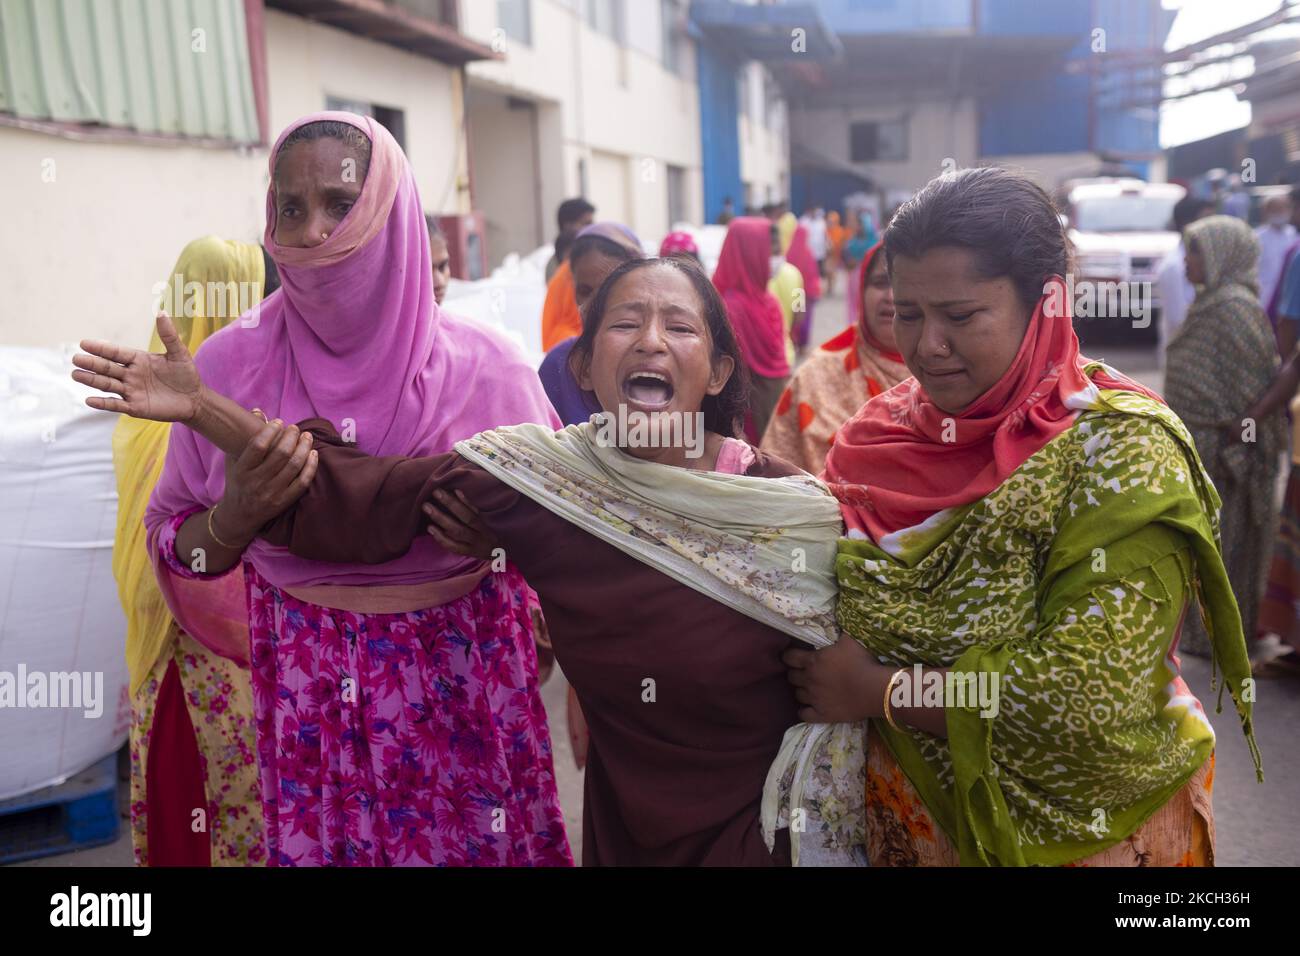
(399, 720)
(744, 268)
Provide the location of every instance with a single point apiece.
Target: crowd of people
(350, 560)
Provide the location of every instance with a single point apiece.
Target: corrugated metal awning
(145, 65)
(388, 22)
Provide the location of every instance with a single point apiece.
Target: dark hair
(345, 132)
(608, 247)
(691, 257)
(435, 230)
(1003, 217)
(1295, 194)
(571, 210)
(724, 413)
(272, 280)
(1187, 210)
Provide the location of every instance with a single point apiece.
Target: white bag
(64, 695)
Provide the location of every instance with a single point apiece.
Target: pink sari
(399, 720)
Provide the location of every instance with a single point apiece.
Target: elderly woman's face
(957, 331)
(317, 182)
(653, 352)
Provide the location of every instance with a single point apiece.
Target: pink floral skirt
(415, 739)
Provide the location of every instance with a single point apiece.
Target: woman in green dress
(1027, 533)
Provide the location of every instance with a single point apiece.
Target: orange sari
(560, 316)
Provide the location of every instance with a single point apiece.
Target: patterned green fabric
(1221, 359)
(1068, 582)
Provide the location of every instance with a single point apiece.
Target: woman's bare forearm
(226, 424)
(1280, 392)
(200, 551)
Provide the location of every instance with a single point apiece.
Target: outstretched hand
(162, 387)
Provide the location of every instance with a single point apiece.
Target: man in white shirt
(1176, 293)
(815, 222)
(1275, 238)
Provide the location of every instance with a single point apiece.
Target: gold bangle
(213, 534)
(894, 678)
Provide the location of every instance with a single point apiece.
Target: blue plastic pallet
(78, 813)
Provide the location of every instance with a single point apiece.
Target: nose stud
(324, 235)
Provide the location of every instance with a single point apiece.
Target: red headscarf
(864, 269)
(891, 467)
(742, 275)
(800, 256)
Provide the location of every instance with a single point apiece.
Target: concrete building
(605, 99)
(749, 54)
(113, 167)
(925, 87)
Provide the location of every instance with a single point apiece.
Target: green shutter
(130, 64)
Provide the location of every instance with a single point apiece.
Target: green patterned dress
(1221, 359)
(1068, 582)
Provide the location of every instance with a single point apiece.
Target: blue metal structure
(719, 132)
(1039, 70)
(730, 34)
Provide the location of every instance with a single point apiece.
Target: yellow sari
(139, 447)
(217, 692)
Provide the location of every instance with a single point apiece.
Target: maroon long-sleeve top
(686, 700)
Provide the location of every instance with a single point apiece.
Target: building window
(515, 17)
(394, 120)
(672, 54)
(606, 16)
(676, 196)
(878, 141)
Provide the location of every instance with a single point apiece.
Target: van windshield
(1130, 213)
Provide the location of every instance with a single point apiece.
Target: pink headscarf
(800, 256)
(678, 242)
(744, 268)
(353, 336)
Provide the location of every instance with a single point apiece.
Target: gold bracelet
(894, 678)
(213, 534)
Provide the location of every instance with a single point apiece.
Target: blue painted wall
(719, 133)
(1074, 112)
(847, 17)
(1037, 17)
(1043, 114)
(823, 188)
